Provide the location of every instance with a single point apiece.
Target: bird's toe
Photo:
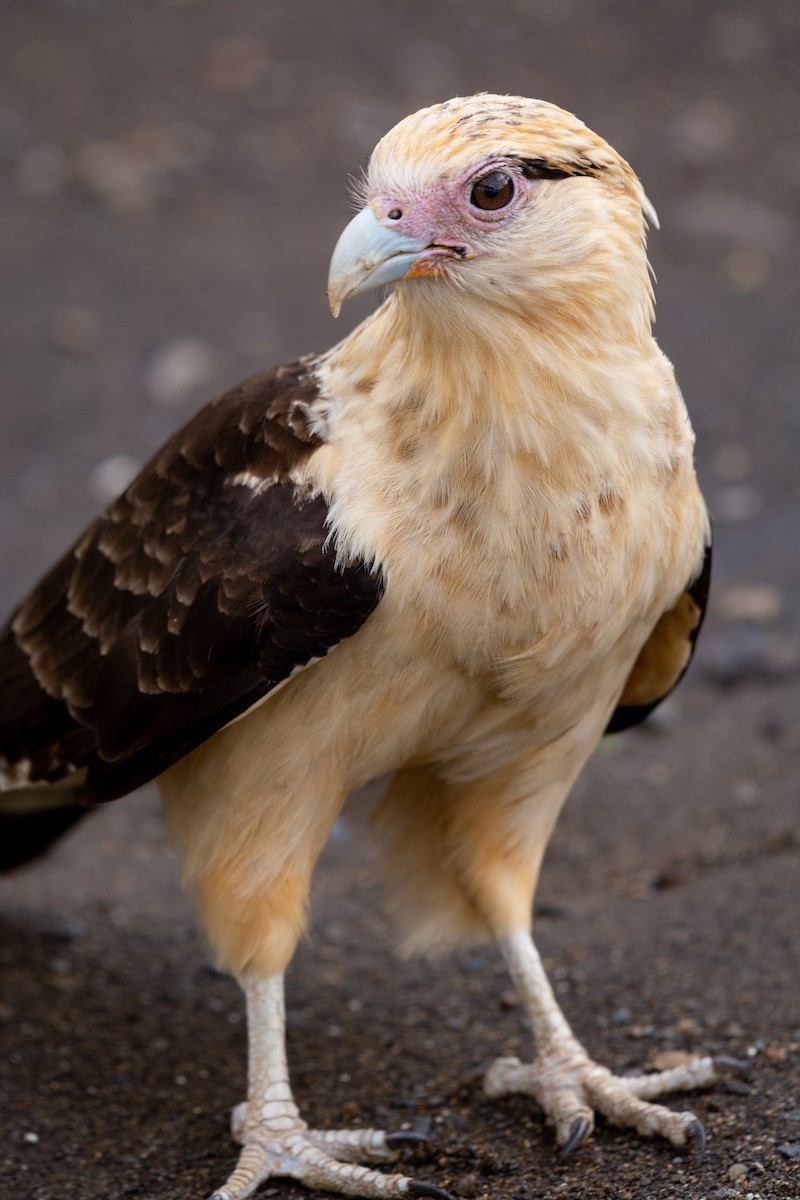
(364, 1145)
(571, 1088)
(696, 1137)
(327, 1160)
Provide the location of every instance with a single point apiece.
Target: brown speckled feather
(203, 586)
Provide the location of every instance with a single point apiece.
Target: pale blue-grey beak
(368, 255)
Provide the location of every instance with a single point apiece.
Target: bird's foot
(571, 1088)
(330, 1160)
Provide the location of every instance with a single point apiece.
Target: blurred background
(173, 177)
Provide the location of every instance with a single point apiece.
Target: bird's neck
(471, 381)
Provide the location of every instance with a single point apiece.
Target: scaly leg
(569, 1086)
(275, 1139)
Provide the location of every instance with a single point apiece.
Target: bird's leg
(275, 1139)
(569, 1086)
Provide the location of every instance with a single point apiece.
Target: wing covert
(204, 585)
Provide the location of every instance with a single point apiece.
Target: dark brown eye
(495, 190)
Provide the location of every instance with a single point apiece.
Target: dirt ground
(172, 180)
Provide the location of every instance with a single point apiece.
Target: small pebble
(731, 462)
(65, 929)
(752, 602)
(179, 369)
(737, 1171)
(736, 502)
(30, 1138)
(748, 269)
(751, 653)
(110, 477)
(701, 132)
(74, 329)
(117, 175)
(547, 908)
(210, 968)
(657, 773)
(746, 793)
(790, 1149)
(474, 961)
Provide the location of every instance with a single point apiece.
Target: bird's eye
(495, 190)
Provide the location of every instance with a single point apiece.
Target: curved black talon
(577, 1133)
(695, 1133)
(742, 1065)
(415, 1188)
(404, 1139)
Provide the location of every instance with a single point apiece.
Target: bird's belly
(550, 622)
(485, 609)
(533, 582)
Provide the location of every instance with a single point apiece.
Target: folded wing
(207, 583)
(666, 654)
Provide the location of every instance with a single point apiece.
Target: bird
(451, 552)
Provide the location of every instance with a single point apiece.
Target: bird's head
(508, 200)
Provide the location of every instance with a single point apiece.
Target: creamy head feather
(579, 240)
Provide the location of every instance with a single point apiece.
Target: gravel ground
(172, 180)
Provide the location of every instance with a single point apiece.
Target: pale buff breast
(543, 536)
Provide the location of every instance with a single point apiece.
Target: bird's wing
(208, 582)
(666, 654)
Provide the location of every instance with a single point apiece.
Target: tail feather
(32, 818)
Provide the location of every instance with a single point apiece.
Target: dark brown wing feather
(187, 600)
(665, 656)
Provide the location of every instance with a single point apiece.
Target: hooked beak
(368, 255)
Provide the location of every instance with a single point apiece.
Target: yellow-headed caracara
(455, 549)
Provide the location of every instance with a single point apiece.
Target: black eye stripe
(539, 168)
(496, 189)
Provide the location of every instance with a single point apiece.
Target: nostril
(395, 214)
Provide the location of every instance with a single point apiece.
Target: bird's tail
(32, 818)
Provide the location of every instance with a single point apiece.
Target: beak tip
(335, 305)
